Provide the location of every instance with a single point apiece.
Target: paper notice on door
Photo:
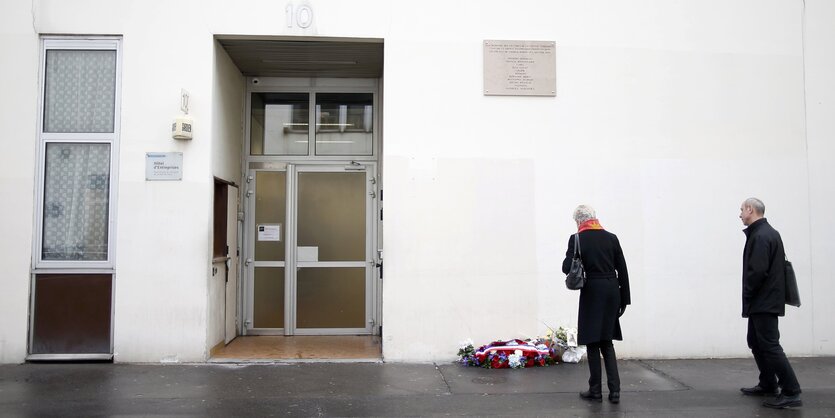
(307, 254)
(269, 232)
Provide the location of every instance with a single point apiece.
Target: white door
(232, 280)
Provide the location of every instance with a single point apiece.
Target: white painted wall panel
(667, 116)
(820, 105)
(227, 143)
(18, 118)
(164, 246)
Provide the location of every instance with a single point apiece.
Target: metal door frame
(248, 279)
(370, 243)
(290, 263)
(253, 163)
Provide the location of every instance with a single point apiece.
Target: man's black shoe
(592, 396)
(784, 401)
(759, 391)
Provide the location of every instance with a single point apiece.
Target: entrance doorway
(311, 192)
(311, 258)
(312, 208)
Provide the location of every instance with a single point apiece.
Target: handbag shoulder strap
(577, 245)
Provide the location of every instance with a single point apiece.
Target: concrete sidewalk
(654, 388)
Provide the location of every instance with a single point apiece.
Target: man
(763, 300)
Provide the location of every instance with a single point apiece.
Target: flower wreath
(555, 347)
(515, 354)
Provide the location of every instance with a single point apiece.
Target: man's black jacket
(763, 271)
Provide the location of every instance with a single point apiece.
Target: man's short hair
(756, 204)
(584, 213)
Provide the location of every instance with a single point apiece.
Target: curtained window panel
(76, 201)
(80, 91)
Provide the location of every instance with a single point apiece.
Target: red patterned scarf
(589, 224)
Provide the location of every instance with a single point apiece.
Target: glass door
(334, 262)
(266, 251)
(311, 264)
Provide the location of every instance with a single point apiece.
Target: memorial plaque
(520, 68)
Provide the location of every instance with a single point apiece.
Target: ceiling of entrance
(281, 58)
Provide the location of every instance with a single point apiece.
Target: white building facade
(309, 120)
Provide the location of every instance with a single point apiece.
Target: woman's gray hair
(584, 213)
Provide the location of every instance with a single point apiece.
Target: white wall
(227, 144)
(164, 239)
(227, 121)
(820, 106)
(18, 119)
(667, 115)
(163, 232)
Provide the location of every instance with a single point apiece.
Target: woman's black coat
(607, 287)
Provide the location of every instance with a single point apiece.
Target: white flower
(515, 360)
(466, 343)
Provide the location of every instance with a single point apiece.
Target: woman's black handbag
(576, 277)
(792, 293)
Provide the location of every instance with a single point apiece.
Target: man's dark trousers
(764, 341)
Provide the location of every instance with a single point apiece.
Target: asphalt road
(650, 388)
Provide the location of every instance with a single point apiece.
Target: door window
(270, 214)
(332, 297)
(279, 124)
(332, 214)
(344, 124)
(268, 303)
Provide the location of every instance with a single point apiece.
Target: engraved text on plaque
(520, 68)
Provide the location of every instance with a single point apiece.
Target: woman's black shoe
(614, 397)
(592, 396)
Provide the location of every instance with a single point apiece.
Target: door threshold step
(292, 360)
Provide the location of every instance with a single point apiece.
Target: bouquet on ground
(566, 340)
(556, 346)
(515, 354)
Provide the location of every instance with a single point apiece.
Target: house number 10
(301, 16)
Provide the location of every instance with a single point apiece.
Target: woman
(603, 299)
